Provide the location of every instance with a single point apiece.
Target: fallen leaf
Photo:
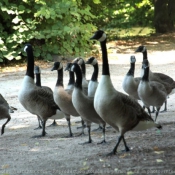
(159, 152)
(130, 172)
(124, 155)
(37, 143)
(101, 160)
(156, 148)
(84, 168)
(116, 169)
(24, 144)
(159, 160)
(84, 163)
(5, 166)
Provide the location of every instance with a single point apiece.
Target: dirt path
(152, 151)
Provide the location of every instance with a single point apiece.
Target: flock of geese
(94, 101)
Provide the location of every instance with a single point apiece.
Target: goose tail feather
(143, 125)
(59, 115)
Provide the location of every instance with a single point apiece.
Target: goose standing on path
(35, 99)
(37, 72)
(164, 79)
(63, 97)
(84, 104)
(80, 61)
(152, 93)
(93, 83)
(115, 108)
(4, 110)
(130, 84)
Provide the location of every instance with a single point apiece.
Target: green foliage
(53, 27)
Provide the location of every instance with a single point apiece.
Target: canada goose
(130, 84)
(93, 83)
(152, 93)
(164, 79)
(80, 61)
(34, 99)
(115, 108)
(84, 104)
(37, 72)
(4, 110)
(63, 97)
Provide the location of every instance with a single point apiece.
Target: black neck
(146, 74)
(78, 82)
(83, 69)
(71, 78)
(131, 70)
(145, 55)
(60, 77)
(30, 63)
(38, 80)
(95, 73)
(105, 66)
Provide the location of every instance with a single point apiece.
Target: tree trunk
(164, 15)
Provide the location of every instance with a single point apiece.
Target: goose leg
(82, 133)
(69, 125)
(103, 141)
(89, 134)
(165, 108)
(53, 124)
(44, 125)
(43, 131)
(98, 129)
(153, 109)
(126, 147)
(3, 126)
(116, 146)
(83, 125)
(149, 111)
(157, 113)
(39, 123)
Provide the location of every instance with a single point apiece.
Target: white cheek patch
(72, 68)
(94, 62)
(80, 61)
(144, 49)
(60, 66)
(102, 38)
(25, 48)
(133, 60)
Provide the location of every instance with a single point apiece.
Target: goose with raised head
(37, 72)
(164, 79)
(4, 110)
(93, 83)
(130, 83)
(34, 99)
(152, 93)
(63, 97)
(84, 104)
(80, 61)
(115, 108)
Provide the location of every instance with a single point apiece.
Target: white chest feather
(92, 86)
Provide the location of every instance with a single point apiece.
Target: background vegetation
(63, 27)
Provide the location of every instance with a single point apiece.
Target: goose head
(91, 60)
(99, 35)
(37, 70)
(78, 60)
(57, 66)
(27, 47)
(73, 67)
(68, 66)
(132, 59)
(141, 49)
